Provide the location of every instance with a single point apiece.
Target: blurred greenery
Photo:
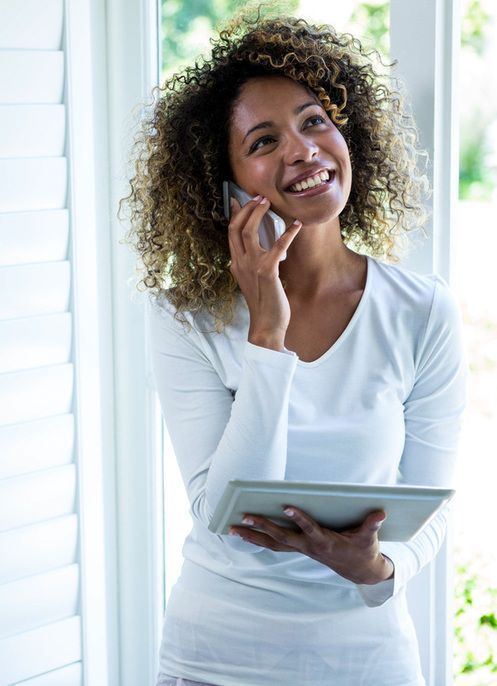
(476, 175)
(188, 26)
(475, 625)
(475, 24)
(477, 171)
(375, 20)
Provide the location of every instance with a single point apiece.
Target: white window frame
(93, 342)
(424, 36)
(111, 66)
(128, 36)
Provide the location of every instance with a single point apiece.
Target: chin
(321, 218)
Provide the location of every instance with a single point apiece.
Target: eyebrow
(268, 124)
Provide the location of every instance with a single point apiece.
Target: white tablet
(336, 506)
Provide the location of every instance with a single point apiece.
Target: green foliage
(477, 177)
(475, 629)
(188, 26)
(474, 24)
(374, 19)
(490, 620)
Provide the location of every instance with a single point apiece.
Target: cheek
(255, 178)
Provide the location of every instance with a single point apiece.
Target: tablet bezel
(409, 508)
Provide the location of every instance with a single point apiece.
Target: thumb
(373, 522)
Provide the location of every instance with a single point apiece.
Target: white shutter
(40, 623)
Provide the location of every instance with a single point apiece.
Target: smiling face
(280, 136)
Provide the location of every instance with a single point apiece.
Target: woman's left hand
(354, 554)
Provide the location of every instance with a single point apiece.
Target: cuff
(284, 358)
(375, 595)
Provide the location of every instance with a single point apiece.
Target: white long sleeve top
(383, 405)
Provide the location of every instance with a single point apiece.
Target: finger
(261, 539)
(236, 207)
(234, 237)
(237, 222)
(284, 535)
(304, 521)
(282, 244)
(250, 231)
(239, 213)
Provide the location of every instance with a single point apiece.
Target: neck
(318, 263)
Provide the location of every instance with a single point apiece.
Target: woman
(328, 365)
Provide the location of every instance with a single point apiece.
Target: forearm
(254, 441)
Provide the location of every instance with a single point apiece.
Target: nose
(299, 148)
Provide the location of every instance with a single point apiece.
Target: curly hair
(178, 227)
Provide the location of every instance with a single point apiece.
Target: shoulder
(427, 294)
(425, 310)
(405, 283)
(163, 315)
(420, 308)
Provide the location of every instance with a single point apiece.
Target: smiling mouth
(321, 179)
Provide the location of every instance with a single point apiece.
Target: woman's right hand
(256, 271)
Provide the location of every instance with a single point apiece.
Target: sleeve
(217, 437)
(433, 417)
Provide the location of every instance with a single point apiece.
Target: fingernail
(378, 524)
(257, 198)
(263, 201)
(297, 222)
(289, 512)
(234, 533)
(247, 520)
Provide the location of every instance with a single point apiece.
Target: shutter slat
(34, 183)
(34, 289)
(31, 24)
(35, 342)
(40, 575)
(31, 76)
(71, 675)
(28, 654)
(46, 494)
(32, 446)
(25, 396)
(38, 548)
(32, 130)
(36, 600)
(28, 237)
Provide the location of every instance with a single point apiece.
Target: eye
(316, 118)
(255, 146)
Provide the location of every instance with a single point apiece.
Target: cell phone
(271, 227)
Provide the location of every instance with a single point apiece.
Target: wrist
(384, 569)
(271, 341)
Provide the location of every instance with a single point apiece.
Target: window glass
(475, 641)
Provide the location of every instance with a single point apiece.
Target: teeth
(311, 182)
